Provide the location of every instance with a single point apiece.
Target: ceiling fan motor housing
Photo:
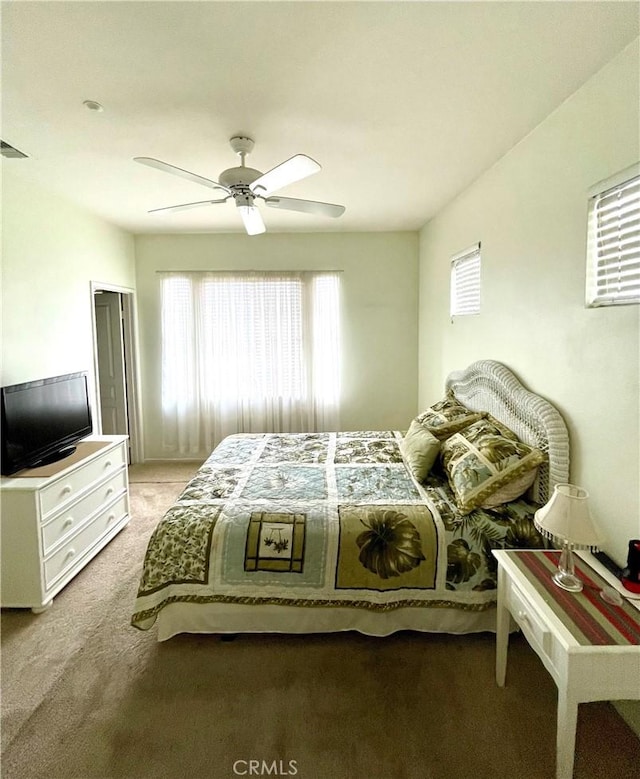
(240, 177)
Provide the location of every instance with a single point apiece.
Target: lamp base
(567, 581)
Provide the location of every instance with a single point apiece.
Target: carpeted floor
(167, 472)
(86, 696)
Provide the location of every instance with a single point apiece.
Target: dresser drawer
(75, 515)
(72, 552)
(531, 623)
(56, 495)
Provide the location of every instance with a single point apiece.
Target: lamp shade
(566, 517)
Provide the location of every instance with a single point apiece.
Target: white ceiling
(404, 104)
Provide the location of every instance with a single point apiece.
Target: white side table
(590, 648)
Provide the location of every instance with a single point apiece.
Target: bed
(373, 531)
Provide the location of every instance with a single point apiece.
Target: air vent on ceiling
(7, 150)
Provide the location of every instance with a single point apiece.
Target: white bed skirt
(224, 618)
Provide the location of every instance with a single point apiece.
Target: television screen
(43, 420)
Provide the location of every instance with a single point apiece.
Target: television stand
(55, 518)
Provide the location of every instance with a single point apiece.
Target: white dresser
(56, 518)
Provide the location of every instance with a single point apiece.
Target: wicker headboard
(487, 385)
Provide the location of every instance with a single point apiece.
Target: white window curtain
(613, 247)
(248, 353)
(465, 282)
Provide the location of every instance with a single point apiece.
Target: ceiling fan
(246, 185)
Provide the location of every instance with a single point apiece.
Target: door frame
(131, 363)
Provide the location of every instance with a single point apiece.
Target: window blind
(465, 282)
(613, 246)
(248, 352)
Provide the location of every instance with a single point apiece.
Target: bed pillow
(516, 488)
(480, 460)
(511, 491)
(447, 416)
(420, 449)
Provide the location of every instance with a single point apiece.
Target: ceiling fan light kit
(252, 219)
(245, 185)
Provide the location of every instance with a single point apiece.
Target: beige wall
(529, 211)
(379, 293)
(51, 251)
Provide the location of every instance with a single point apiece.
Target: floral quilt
(322, 520)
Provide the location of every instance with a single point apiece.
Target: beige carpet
(85, 696)
(166, 472)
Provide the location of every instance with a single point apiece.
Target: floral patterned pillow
(480, 460)
(447, 417)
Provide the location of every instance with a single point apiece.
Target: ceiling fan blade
(185, 174)
(289, 171)
(252, 219)
(307, 206)
(186, 206)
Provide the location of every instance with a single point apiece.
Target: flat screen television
(43, 420)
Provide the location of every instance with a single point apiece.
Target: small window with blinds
(613, 244)
(465, 282)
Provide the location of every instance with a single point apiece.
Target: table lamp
(566, 520)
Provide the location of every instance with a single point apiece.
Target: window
(248, 352)
(465, 282)
(613, 244)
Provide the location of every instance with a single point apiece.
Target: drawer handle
(524, 617)
(110, 518)
(108, 492)
(66, 490)
(70, 553)
(107, 464)
(68, 522)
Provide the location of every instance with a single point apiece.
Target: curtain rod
(235, 271)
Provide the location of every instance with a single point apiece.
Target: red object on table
(631, 575)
